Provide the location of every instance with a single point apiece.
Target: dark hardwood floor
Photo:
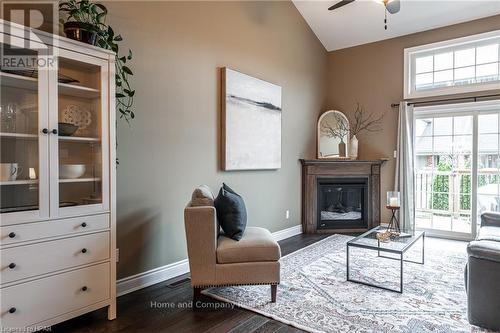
(137, 312)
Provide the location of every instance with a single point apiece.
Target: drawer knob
(12, 310)
(84, 288)
(84, 225)
(12, 235)
(84, 250)
(12, 265)
(54, 131)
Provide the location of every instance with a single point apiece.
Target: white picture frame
(251, 122)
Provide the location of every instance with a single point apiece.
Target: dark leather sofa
(482, 275)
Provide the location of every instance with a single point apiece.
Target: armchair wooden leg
(196, 294)
(274, 289)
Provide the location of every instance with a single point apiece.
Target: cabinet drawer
(32, 231)
(40, 258)
(47, 298)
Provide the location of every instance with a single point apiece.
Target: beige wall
(372, 74)
(172, 145)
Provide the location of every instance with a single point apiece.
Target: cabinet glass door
(23, 140)
(82, 150)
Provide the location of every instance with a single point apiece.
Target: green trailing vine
(124, 91)
(92, 17)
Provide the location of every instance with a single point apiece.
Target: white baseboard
(287, 233)
(153, 276)
(170, 271)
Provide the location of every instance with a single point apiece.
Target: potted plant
(84, 20)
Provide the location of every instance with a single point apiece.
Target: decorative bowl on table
(71, 171)
(67, 129)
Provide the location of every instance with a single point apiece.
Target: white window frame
(410, 55)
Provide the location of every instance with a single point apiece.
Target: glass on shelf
(18, 111)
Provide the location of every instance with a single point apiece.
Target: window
(457, 166)
(457, 66)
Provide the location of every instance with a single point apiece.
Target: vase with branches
(361, 122)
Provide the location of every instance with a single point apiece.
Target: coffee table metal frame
(400, 252)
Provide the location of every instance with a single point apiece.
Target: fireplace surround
(340, 196)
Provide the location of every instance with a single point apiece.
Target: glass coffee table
(393, 250)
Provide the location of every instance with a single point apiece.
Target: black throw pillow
(231, 212)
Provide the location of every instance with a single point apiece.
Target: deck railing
(449, 192)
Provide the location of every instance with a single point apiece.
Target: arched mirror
(333, 135)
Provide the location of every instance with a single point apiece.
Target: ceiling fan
(391, 7)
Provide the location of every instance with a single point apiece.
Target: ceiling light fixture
(391, 6)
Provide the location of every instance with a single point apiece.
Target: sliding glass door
(443, 161)
(488, 168)
(457, 167)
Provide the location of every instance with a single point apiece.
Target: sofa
(216, 260)
(482, 274)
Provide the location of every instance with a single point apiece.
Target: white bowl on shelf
(71, 171)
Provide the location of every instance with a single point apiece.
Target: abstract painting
(251, 122)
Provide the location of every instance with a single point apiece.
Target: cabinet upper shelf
(78, 138)
(78, 91)
(80, 180)
(30, 83)
(18, 135)
(18, 81)
(19, 182)
(35, 136)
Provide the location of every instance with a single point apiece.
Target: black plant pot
(81, 32)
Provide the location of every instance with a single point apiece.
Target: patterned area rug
(315, 296)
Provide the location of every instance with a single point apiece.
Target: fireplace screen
(342, 203)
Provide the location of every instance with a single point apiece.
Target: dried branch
(340, 130)
(363, 122)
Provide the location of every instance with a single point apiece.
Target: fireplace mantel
(341, 161)
(317, 169)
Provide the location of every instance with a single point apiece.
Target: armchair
(215, 260)
(482, 274)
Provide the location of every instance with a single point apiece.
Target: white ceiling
(362, 21)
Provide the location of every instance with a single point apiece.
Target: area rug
(314, 295)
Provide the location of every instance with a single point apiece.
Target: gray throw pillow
(231, 212)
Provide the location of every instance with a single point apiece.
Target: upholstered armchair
(482, 275)
(216, 260)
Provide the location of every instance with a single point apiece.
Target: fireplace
(342, 203)
(340, 196)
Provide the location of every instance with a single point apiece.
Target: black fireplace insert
(342, 203)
